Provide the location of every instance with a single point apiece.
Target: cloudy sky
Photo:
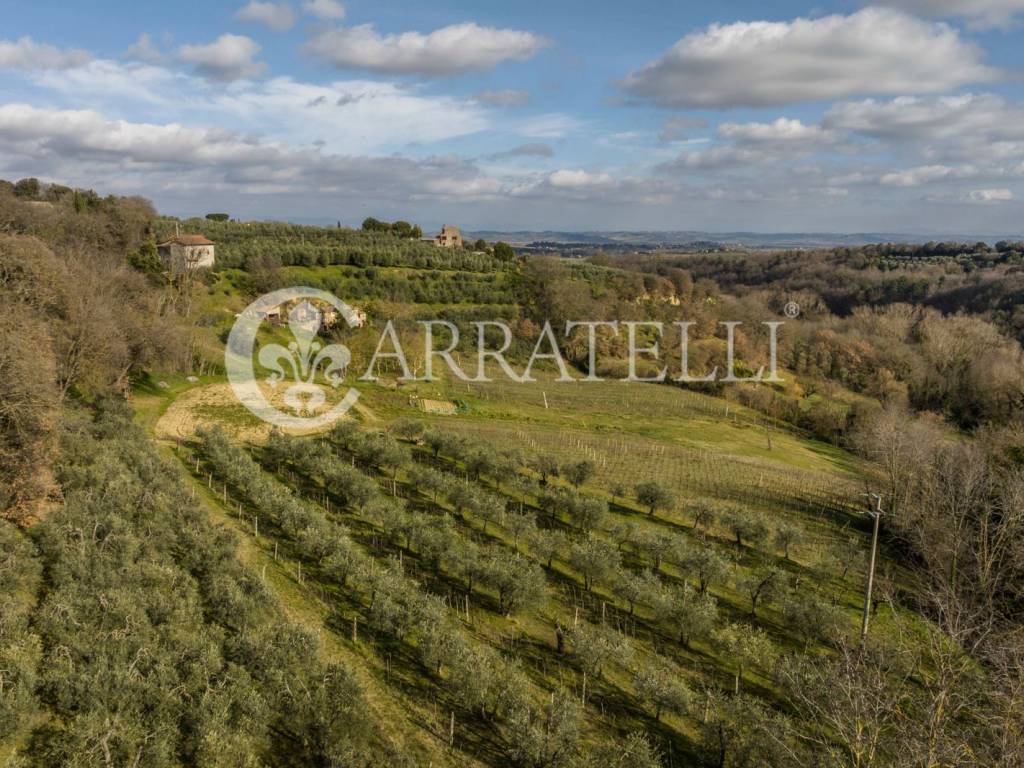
(581, 114)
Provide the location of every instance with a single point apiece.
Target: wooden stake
(451, 732)
(355, 639)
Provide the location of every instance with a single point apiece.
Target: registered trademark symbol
(792, 310)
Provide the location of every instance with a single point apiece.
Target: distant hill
(702, 240)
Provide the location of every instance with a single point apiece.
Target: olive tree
(579, 472)
(689, 613)
(595, 559)
(546, 736)
(745, 647)
(596, 645)
(746, 526)
(788, 535)
(659, 684)
(654, 496)
(762, 586)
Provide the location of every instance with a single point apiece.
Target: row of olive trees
(687, 613)
(518, 583)
(658, 683)
(480, 679)
(158, 647)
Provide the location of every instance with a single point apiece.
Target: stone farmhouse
(449, 237)
(186, 252)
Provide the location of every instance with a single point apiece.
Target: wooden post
(275, 551)
(255, 526)
(355, 638)
(451, 732)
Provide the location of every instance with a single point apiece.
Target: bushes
(20, 649)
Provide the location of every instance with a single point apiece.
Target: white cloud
(873, 51)
(144, 50)
(980, 13)
(347, 115)
(550, 125)
(447, 51)
(923, 174)
(277, 16)
(86, 145)
(324, 9)
(781, 130)
(355, 115)
(749, 145)
(915, 118)
(229, 57)
(25, 53)
(719, 157)
(579, 179)
(506, 98)
(990, 196)
(475, 187)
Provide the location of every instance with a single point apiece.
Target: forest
(626, 574)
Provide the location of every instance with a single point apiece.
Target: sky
(905, 117)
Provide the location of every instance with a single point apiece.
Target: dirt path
(216, 404)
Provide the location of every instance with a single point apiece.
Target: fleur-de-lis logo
(304, 356)
(297, 367)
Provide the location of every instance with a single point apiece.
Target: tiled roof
(188, 240)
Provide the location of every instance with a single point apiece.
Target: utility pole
(876, 513)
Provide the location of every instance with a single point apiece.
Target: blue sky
(565, 115)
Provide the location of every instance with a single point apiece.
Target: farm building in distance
(185, 252)
(449, 237)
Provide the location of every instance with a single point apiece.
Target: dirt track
(186, 414)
